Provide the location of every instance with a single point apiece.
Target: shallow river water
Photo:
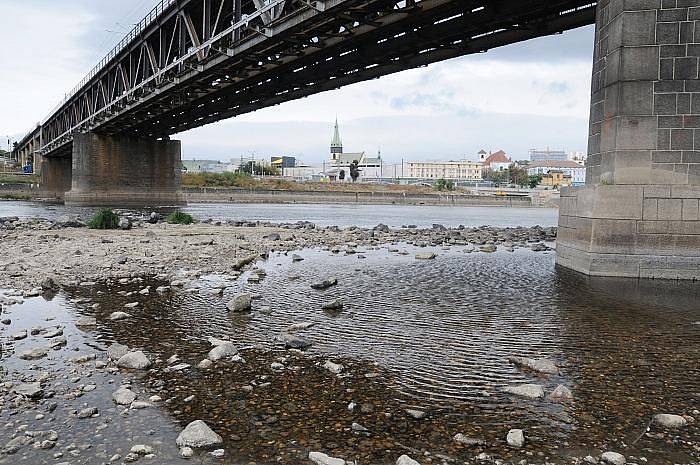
(429, 335)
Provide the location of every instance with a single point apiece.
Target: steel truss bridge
(194, 62)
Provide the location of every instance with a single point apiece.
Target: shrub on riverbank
(179, 218)
(104, 219)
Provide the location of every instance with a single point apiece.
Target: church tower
(336, 143)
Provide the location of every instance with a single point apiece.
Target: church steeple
(336, 143)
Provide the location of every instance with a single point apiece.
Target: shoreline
(194, 195)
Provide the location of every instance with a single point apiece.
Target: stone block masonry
(125, 171)
(638, 214)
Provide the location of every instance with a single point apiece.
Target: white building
(568, 167)
(339, 167)
(462, 170)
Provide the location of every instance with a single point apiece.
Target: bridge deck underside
(303, 52)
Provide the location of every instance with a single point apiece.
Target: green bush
(179, 218)
(444, 185)
(104, 219)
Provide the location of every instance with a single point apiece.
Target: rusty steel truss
(194, 62)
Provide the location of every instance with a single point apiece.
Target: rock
(667, 420)
(30, 390)
(297, 258)
(515, 438)
(118, 316)
(320, 458)
(613, 458)
(186, 452)
(121, 260)
(300, 326)
(540, 365)
(561, 394)
(142, 449)
(406, 460)
(34, 354)
(87, 412)
(531, 391)
(20, 335)
(293, 342)
(205, 364)
(132, 305)
(140, 405)
(131, 457)
(197, 435)
(48, 284)
(325, 284)
(425, 256)
(333, 367)
(467, 441)
(123, 396)
(358, 428)
(124, 223)
(489, 248)
(218, 453)
(117, 351)
(134, 361)
(417, 414)
(86, 321)
(240, 303)
(222, 351)
(55, 332)
(336, 304)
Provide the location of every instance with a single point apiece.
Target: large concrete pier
(117, 170)
(638, 215)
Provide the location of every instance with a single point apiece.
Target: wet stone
(197, 434)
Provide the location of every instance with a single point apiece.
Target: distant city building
(570, 168)
(497, 161)
(454, 170)
(556, 178)
(283, 162)
(204, 166)
(578, 157)
(547, 154)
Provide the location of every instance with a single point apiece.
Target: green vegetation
(104, 219)
(18, 179)
(534, 181)
(179, 218)
(443, 184)
(258, 169)
(512, 175)
(355, 170)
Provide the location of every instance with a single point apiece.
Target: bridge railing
(140, 27)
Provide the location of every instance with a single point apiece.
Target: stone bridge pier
(56, 175)
(638, 215)
(124, 171)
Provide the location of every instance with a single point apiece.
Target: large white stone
(668, 420)
(515, 438)
(540, 365)
(613, 458)
(134, 361)
(406, 460)
(197, 434)
(240, 303)
(222, 351)
(560, 394)
(123, 396)
(531, 391)
(320, 458)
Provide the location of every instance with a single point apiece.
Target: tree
(341, 175)
(254, 168)
(498, 177)
(534, 181)
(518, 175)
(355, 170)
(443, 184)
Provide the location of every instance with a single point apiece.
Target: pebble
(515, 438)
(406, 460)
(320, 458)
(613, 458)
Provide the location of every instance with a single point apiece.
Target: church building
(340, 161)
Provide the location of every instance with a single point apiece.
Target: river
(326, 215)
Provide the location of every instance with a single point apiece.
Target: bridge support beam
(638, 215)
(124, 171)
(56, 176)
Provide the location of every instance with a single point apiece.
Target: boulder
(667, 420)
(319, 458)
(134, 361)
(34, 354)
(123, 396)
(325, 284)
(425, 256)
(293, 342)
(334, 368)
(240, 303)
(406, 460)
(86, 321)
(540, 365)
(515, 438)
(221, 351)
(30, 390)
(531, 391)
(561, 394)
(118, 316)
(336, 304)
(197, 435)
(613, 458)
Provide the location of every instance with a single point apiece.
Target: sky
(534, 94)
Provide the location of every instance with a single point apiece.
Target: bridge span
(193, 62)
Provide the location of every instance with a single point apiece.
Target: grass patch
(104, 219)
(179, 218)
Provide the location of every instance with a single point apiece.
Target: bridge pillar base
(125, 171)
(56, 176)
(636, 231)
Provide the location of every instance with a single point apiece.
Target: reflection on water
(326, 215)
(444, 329)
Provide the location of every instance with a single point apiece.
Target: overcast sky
(534, 94)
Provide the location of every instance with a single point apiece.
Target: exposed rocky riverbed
(161, 343)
